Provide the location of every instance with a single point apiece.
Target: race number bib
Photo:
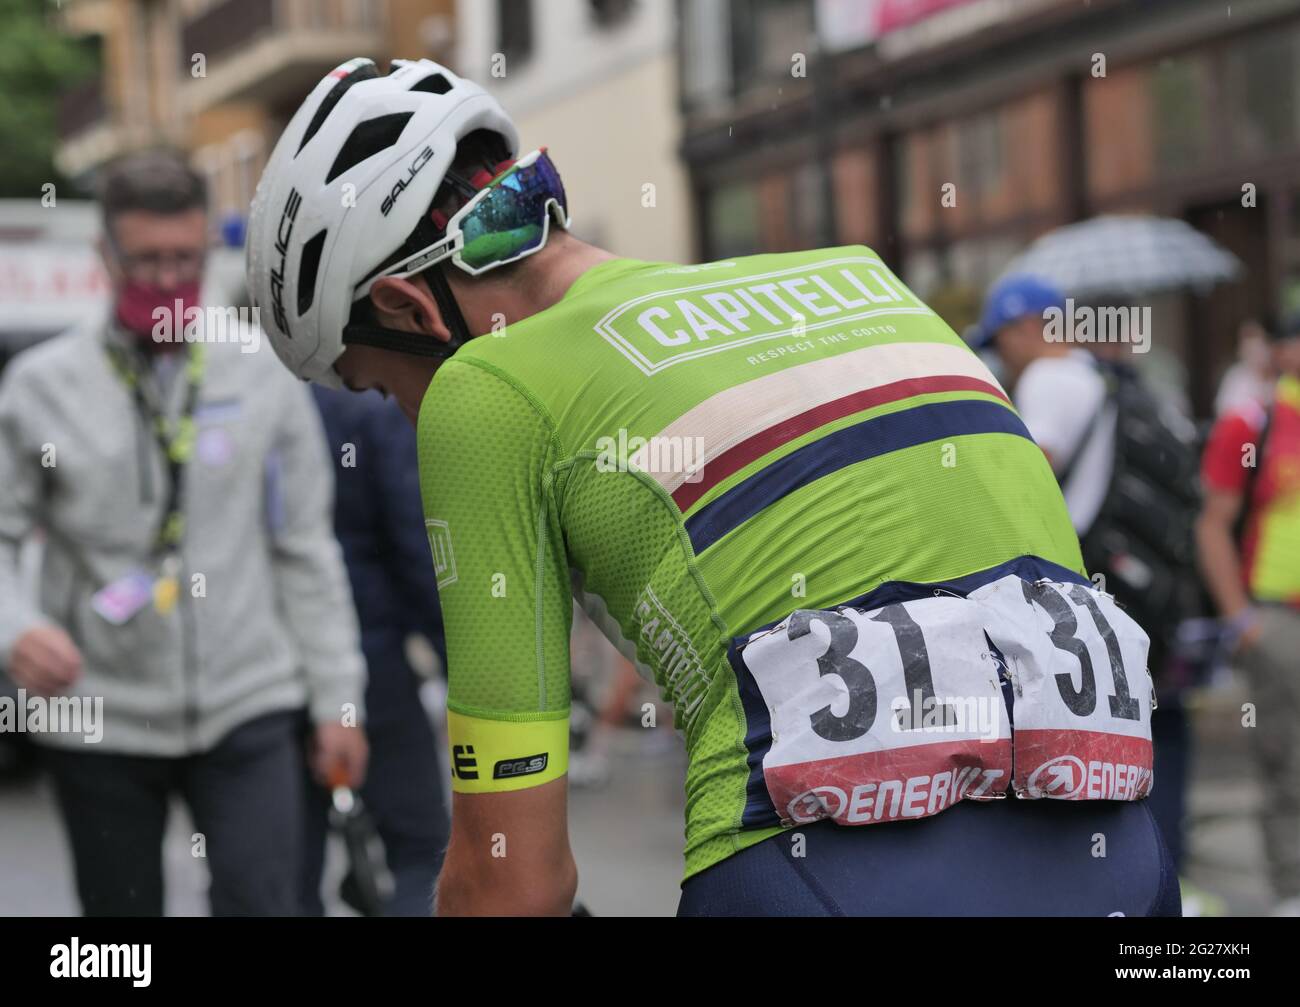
(1083, 696)
(901, 711)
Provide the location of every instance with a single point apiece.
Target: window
(979, 153)
(732, 214)
(610, 13)
(316, 14)
(705, 51)
(922, 271)
(515, 29)
(764, 36)
(367, 13)
(1261, 90)
(807, 205)
(917, 177)
(1179, 91)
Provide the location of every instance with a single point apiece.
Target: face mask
(157, 316)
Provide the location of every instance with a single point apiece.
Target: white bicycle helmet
(350, 180)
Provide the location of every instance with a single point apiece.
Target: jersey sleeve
(486, 457)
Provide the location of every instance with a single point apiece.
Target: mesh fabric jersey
(692, 452)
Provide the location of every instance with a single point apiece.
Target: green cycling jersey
(692, 452)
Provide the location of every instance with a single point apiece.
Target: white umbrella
(1127, 255)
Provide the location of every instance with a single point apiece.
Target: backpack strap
(1090, 429)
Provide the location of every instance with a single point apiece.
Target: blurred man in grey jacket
(191, 586)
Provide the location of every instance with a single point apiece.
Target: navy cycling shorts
(997, 858)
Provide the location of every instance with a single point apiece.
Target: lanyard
(175, 438)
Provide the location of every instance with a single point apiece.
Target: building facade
(1026, 114)
(595, 81)
(221, 78)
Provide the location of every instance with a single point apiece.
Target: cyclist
(784, 488)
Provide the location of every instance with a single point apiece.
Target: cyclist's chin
(411, 410)
(412, 385)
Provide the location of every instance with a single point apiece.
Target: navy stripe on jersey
(859, 442)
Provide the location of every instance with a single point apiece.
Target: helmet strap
(451, 314)
(414, 343)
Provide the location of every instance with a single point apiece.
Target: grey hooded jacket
(264, 620)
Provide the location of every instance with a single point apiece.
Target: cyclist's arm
(535, 873)
(486, 451)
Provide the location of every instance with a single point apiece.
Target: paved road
(626, 837)
(627, 834)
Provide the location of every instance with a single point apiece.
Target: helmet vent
(366, 71)
(307, 272)
(435, 83)
(367, 139)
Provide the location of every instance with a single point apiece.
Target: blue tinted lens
(510, 221)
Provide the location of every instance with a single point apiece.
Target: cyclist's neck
(540, 282)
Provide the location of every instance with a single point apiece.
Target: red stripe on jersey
(753, 448)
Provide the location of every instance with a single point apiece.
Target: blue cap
(1012, 298)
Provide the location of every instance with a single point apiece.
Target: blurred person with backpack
(1249, 539)
(1127, 468)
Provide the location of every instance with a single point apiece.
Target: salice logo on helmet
(421, 159)
(282, 234)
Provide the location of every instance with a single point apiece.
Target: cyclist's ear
(409, 305)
